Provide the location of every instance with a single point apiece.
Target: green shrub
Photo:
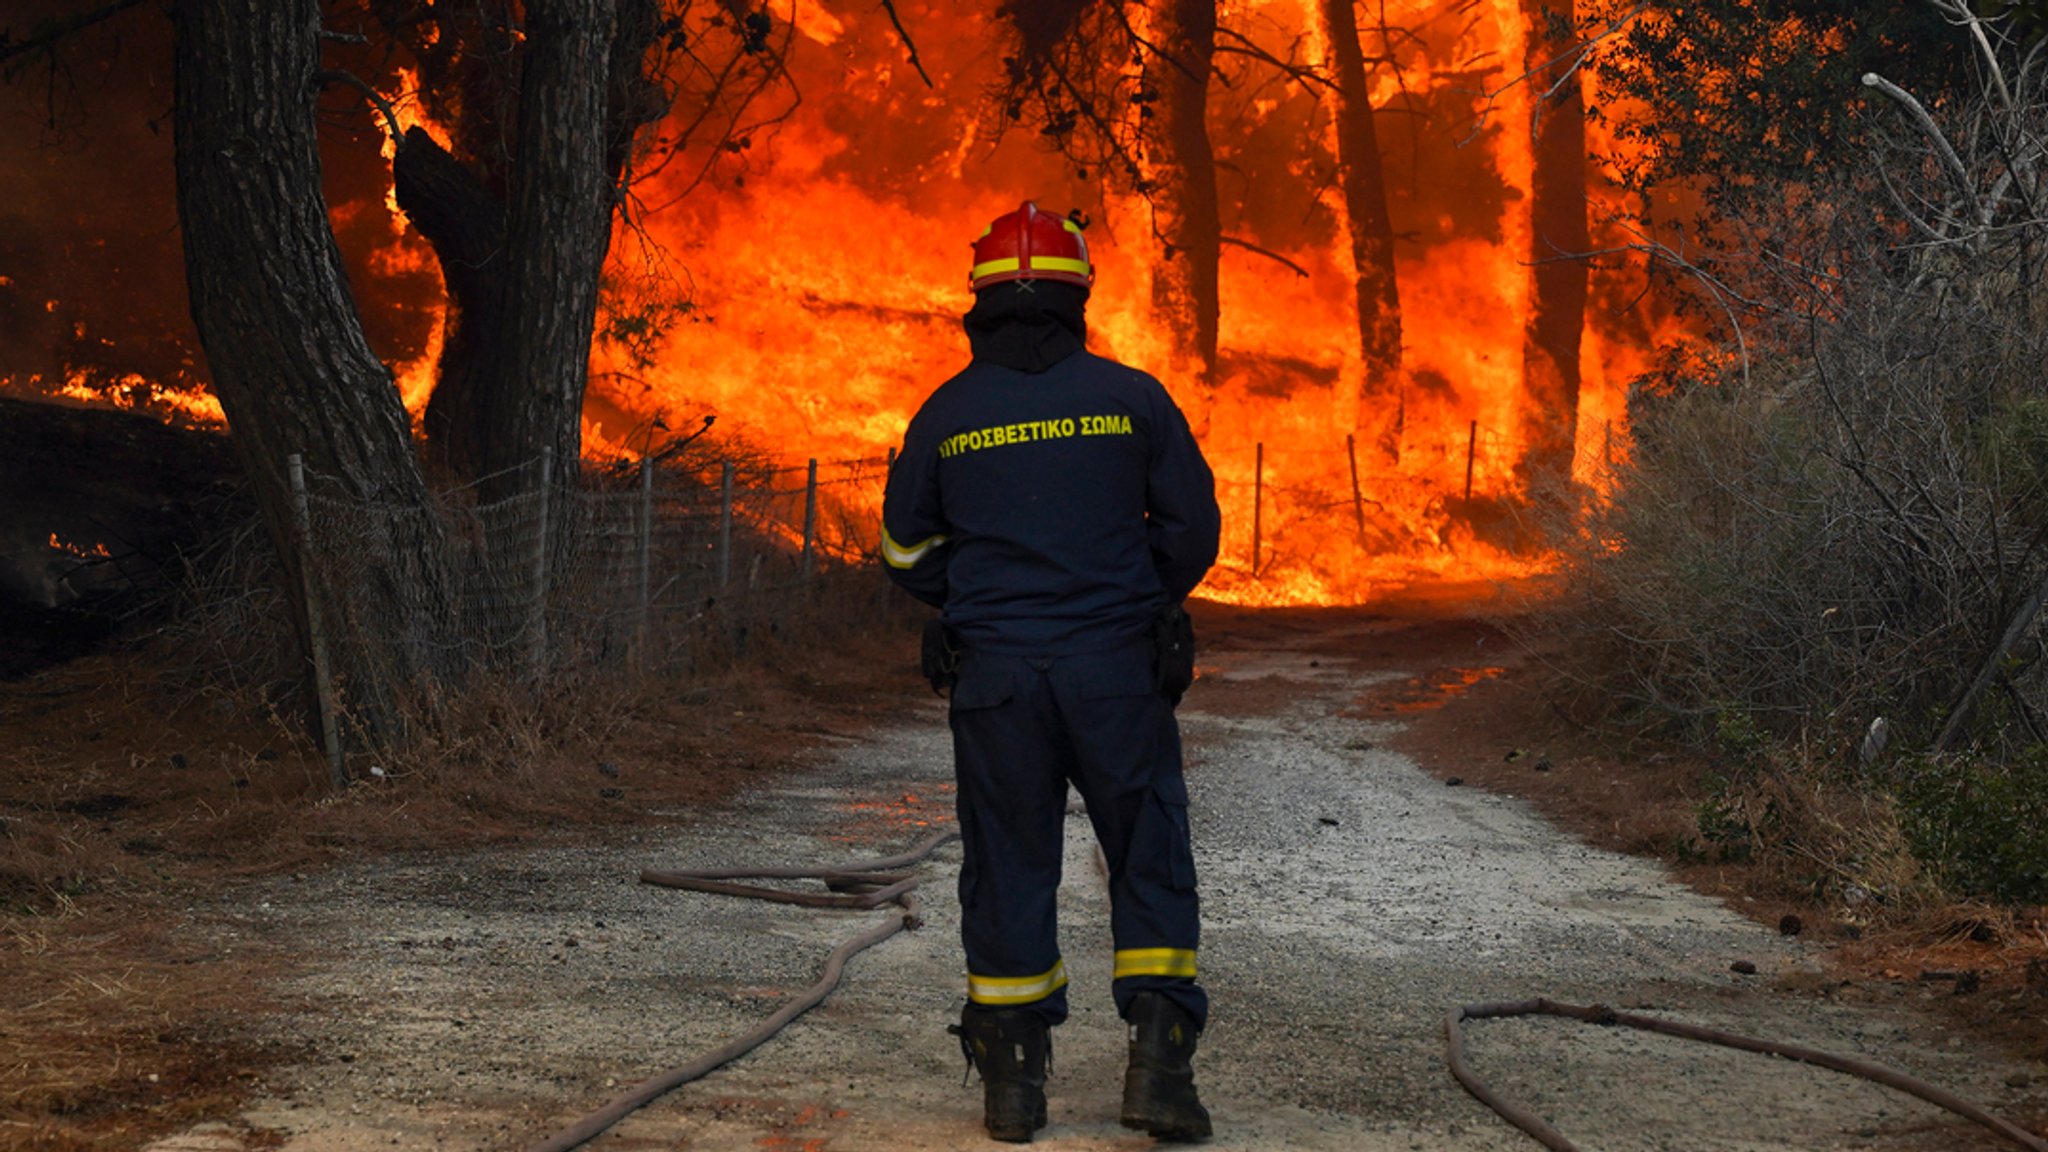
(1982, 827)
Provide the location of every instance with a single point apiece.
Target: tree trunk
(1557, 311)
(465, 225)
(522, 234)
(287, 355)
(1181, 173)
(1380, 409)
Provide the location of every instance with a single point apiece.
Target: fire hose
(864, 885)
(1551, 1138)
(876, 882)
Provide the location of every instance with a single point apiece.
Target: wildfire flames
(824, 267)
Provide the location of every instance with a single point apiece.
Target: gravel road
(487, 1000)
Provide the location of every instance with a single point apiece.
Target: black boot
(1159, 1085)
(1010, 1048)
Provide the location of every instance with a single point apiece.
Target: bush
(1843, 515)
(1981, 826)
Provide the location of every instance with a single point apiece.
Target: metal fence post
(316, 633)
(537, 620)
(725, 525)
(810, 519)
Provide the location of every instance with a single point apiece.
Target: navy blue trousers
(1023, 729)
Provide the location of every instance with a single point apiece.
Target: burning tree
(285, 346)
(1559, 244)
(1122, 89)
(1371, 228)
(547, 109)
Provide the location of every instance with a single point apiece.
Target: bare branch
(1267, 253)
(903, 33)
(1576, 54)
(1958, 13)
(10, 48)
(372, 95)
(1306, 77)
(1920, 117)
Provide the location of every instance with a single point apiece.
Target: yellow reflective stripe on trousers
(900, 557)
(1016, 989)
(1155, 962)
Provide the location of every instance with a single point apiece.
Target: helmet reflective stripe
(1059, 264)
(1031, 245)
(1006, 264)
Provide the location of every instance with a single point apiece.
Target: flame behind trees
(545, 114)
(1122, 89)
(1559, 243)
(1381, 410)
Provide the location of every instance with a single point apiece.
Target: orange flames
(826, 266)
(830, 285)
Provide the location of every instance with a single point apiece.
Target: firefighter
(1056, 506)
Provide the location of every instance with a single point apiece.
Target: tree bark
(286, 351)
(522, 232)
(1559, 238)
(1181, 172)
(465, 225)
(1380, 409)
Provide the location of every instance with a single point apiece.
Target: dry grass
(131, 788)
(1836, 864)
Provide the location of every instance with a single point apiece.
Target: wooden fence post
(725, 525)
(316, 632)
(1258, 503)
(646, 552)
(1471, 450)
(810, 519)
(1357, 495)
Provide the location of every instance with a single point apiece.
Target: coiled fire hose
(864, 885)
(1554, 1140)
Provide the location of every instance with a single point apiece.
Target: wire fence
(616, 563)
(570, 574)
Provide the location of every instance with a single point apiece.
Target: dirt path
(488, 1000)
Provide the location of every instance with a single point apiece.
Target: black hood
(1028, 325)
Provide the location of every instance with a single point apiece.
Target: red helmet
(1031, 245)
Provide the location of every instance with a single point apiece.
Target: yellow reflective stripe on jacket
(1016, 989)
(1155, 962)
(900, 557)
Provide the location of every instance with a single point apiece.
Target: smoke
(92, 285)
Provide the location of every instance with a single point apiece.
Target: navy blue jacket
(1050, 513)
